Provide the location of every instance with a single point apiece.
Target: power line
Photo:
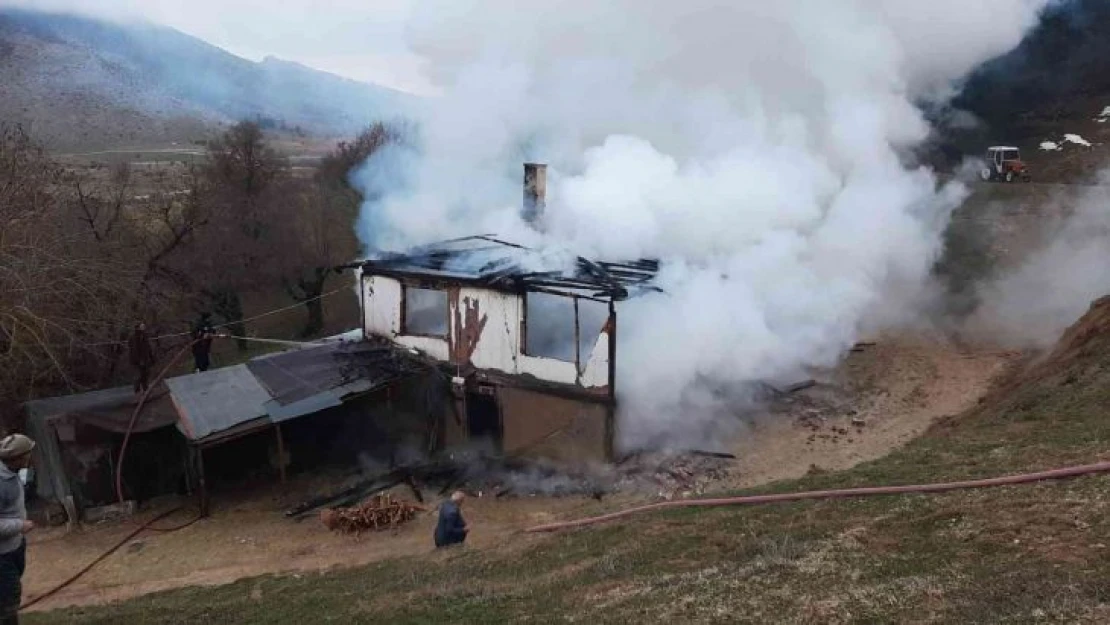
(290, 307)
(222, 325)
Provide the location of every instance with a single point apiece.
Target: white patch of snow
(1077, 139)
(1051, 146)
(1105, 113)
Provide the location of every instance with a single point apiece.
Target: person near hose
(142, 355)
(15, 454)
(203, 333)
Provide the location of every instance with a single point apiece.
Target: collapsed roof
(486, 261)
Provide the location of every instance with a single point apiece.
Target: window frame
(581, 356)
(405, 331)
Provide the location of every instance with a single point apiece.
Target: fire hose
(145, 526)
(149, 525)
(135, 415)
(844, 493)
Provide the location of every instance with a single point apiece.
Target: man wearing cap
(15, 454)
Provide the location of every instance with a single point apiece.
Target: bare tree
(59, 291)
(334, 172)
(244, 178)
(84, 255)
(314, 237)
(317, 222)
(101, 211)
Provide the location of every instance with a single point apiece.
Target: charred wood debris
(664, 474)
(365, 504)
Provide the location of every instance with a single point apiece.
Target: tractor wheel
(1009, 176)
(985, 174)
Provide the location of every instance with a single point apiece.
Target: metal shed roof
(212, 401)
(108, 409)
(310, 380)
(278, 387)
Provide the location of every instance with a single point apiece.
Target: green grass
(1020, 554)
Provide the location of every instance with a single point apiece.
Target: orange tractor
(1004, 163)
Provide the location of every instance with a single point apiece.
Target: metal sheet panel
(214, 401)
(283, 412)
(295, 376)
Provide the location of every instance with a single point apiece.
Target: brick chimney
(535, 192)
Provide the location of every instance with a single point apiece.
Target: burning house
(472, 342)
(528, 339)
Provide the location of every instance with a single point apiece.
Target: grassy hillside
(1009, 555)
(82, 84)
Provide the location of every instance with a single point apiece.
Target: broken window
(563, 328)
(425, 312)
(592, 317)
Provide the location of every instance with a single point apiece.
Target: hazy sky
(362, 39)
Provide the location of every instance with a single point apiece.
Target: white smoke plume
(1032, 304)
(756, 148)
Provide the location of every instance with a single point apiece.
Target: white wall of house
(499, 344)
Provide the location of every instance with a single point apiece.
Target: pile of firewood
(380, 512)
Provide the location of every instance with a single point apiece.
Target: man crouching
(451, 528)
(15, 454)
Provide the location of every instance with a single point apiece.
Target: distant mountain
(1060, 71)
(80, 83)
(1054, 84)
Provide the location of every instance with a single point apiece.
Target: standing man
(15, 454)
(451, 528)
(202, 342)
(142, 355)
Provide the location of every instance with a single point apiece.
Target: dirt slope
(880, 398)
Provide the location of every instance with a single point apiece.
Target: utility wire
(222, 325)
(149, 525)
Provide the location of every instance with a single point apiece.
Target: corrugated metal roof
(274, 388)
(213, 401)
(311, 380)
(282, 386)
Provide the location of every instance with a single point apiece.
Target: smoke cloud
(757, 149)
(1030, 305)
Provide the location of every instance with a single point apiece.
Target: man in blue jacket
(15, 454)
(451, 528)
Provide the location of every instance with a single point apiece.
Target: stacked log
(380, 512)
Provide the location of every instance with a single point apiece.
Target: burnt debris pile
(665, 474)
(671, 474)
(476, 473)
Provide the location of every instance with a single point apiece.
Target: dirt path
(247, 538)
(894, 388)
